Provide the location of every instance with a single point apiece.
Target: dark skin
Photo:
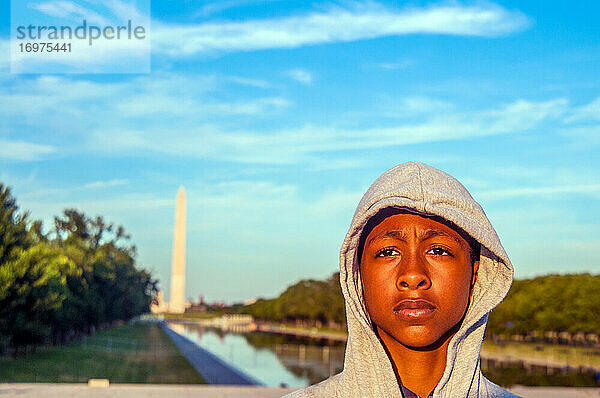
(417, 278)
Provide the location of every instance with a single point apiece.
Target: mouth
(414, 309)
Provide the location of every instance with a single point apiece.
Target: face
(417, 276)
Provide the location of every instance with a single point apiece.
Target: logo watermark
(82, 32)
(111, 36)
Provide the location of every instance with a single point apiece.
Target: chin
(419, 337)
(418, 342)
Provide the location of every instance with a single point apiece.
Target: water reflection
(270, 358)
(276, 359)
(309, 359)
(511, 372)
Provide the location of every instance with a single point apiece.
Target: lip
(414, 309)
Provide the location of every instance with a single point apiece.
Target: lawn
(133, 353)
(191, 316)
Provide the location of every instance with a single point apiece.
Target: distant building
(199, 307)
(250, 301)
(196, 308)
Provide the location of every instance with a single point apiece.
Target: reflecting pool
(275, 360)
(272, 359)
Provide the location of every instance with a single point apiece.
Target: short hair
(474, 246)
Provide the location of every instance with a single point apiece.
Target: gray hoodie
(367, 370)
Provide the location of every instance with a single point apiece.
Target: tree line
(79, 276)
(309, 302)
(551, 303)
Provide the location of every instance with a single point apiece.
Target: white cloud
(157, 101)
(127, 10)
(300, 75)
(107, 12)
(104, 56)
(337, 24)
(138, 115)
(211, 8)
(582, 137)
(395, 65)
(31, 190)
(105, 184)
(24, 151)
(244, 81)
(513, 172)
(420, 104)
(128, 209)
(117, 55)
(523, 115)
(288, 146)
(500, 194)
(589, 111)
(4, 55)
(163, 104)
(70, 11)
(315, 163)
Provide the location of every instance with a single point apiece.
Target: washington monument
(176, 302)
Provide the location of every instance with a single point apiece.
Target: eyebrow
(430, 233)
(401, 235)
(396, 234)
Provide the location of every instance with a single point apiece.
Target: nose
(413, 273)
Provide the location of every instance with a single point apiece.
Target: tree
(549, 303)
(308, 300)
(30, 305)
(110, 287)
(80, 276)
(13, 226)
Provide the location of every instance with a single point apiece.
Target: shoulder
(326, 388)
(495, 391)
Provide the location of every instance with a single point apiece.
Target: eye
(387, 252)
(439, 251)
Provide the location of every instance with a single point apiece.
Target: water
(272, 359)
(277, 360)
(516, 372)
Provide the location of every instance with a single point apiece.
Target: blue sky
(277, 115)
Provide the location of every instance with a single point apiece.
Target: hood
(416, 186)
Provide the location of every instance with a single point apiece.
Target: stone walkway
(213, 369)
(196, 391)
(555, 392)
(138, 391)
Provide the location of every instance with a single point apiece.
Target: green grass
(132, 353)
(312, 329)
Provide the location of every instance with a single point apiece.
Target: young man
(420, 268)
